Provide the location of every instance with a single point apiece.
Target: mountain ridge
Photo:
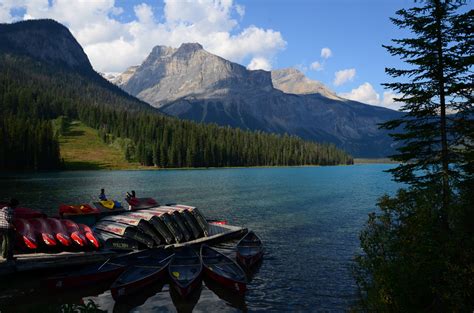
(189, 82)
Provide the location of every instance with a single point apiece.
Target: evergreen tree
(437, 82)
(419, 250)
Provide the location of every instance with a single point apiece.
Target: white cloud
(343, 76)
(112, 45)
(259, 64)
(316, 66)
(366, 93)
(326, 53)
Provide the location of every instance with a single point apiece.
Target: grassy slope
(82, 149)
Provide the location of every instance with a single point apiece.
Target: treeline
(34, 94)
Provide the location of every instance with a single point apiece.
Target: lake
(308, 217)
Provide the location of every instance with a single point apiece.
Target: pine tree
(436, 89)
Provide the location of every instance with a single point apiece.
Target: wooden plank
(41, 261)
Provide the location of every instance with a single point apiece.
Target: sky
(337, 42)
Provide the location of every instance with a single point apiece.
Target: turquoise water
(308, 217)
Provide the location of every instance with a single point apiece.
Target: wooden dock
(51, 261)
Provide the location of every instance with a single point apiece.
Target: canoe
(249, 250)
(60, 232)
(26, 237)
(89, 234)
(177, 218)
(141, 224)
(197, 215)
(125, 231)
(141, 203)
(81, 209)
(43, 231)
(142, 274)
(108, 204)
(185, 271)
(116, 242)
(95, 273)
(169, 222)
(223, 269)
(74, 232)
(157, 223)
(190, 221)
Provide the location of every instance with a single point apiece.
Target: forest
(33, 95)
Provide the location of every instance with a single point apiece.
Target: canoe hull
(224, 281)
(82, 280)
(133, 287)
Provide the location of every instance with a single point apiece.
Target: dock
(52, 261)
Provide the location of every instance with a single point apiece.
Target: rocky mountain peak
(291, 80)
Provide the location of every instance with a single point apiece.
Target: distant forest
(32, 95)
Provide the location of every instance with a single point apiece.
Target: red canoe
(43, 231)
(74, 232)
(27, 213)
(222, 269)
(249, 250)
(26, 234)
(59, 231)
(89, 234)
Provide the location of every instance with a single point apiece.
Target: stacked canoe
(151, 227)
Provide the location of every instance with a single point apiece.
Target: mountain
(46, 41)
(46, 80)
(191, 83)
(290, 80)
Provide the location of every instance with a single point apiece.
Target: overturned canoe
(140, 223)
(43, 231)
(189, 220)
(126, 231)
(60, 232)
(26, 237)
(197, 215)
(177, 218)
(169, 221)
(90, 236)
(74, 232)
(156, 222)
(116, 242)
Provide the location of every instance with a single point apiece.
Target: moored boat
(74, 232)
(43, 231)
(157, 223)
(177, 218)
(90, 236)
(142, 274)
(108, 270)
(222, 269)
(141, 203)
(197, 215)
(190, 221)
(60, 232)
(140, 223)
(169, 222)
(126, 231)
(26, 237)
(249, 250)
(185, 270)
(116, 242)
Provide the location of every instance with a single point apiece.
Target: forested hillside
(33, 93)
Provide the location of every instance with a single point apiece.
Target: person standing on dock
(7, 229)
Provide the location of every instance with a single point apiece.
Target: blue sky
(265, 34)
